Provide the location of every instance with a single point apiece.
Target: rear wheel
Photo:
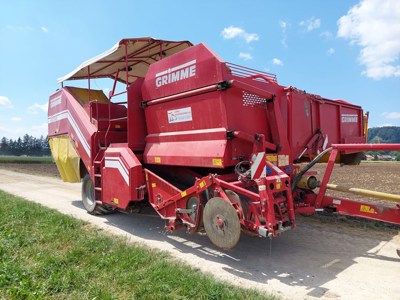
(88, 198)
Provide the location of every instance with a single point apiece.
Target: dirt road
(315, 261)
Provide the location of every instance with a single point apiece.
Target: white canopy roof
(140, 53)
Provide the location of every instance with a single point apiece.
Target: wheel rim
(88, 194)
(89, 190)
(191, 203)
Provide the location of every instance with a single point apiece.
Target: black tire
(352, 159)
(88, 199)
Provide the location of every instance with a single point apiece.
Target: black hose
(243, 176)
(308, 167)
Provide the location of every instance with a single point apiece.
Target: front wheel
(221, 223)
(88, 198)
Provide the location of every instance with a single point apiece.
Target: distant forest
(31, 146)
(27, 145)
(379, 135)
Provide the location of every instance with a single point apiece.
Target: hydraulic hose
(308, 167)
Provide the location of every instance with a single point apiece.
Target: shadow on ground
(309, 256)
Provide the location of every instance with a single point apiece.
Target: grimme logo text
(177, 73)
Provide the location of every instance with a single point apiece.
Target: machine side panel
(136, 118)
(189, 69)
(122, 177)
(66, 116)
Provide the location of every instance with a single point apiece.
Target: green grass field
(47, 255)
(27, 159)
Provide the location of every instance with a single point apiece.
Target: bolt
(220, 222)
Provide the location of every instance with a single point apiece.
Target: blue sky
(338, 49)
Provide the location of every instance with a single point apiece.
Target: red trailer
(210, 145)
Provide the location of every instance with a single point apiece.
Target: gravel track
(314, 261)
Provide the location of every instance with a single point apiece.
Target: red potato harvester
(210, 145)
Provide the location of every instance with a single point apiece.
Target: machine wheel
(221, 223)
(191, 203)
(88, 198)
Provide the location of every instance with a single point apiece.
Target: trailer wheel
(221, 223)
(88, 199)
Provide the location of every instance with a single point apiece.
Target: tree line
(27, 145)
(388, 134)
(32, 146)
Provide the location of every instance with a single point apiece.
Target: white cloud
(36, 108)
(38, 130)
(283, 25)
(391, 115)
(245, 56)
(311, 23)
(330, 51)
(374, 26)
(277, 62)
(20, 28)
(327, 35)
(4, 101)
(13, 132)
(16, 119)
(26, 28)
(232, 32)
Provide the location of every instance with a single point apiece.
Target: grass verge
(47, 255)
(27, 159)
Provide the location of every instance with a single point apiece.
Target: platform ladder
(97, 174)
(98, 161)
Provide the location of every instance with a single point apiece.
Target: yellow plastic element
(367, 209)
(183, 194)
(271, 158)
(363, 192)
(157, 159)
(153, 185)
(117, 126)
(278, 184)
(202, 184)
(147, 177)
(66, 158)
(83, 95)
(116, 201)
(365, 121)
(217, 162)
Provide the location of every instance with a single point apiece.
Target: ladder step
(97, 161)
(97, 175)
(97, 188)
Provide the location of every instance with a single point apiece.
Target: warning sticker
(180, 115)
(217, 162)
(283, 160)
(367, 209)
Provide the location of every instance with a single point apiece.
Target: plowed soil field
(377, 176)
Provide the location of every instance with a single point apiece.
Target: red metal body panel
(122, 177)
(182, 112)
(180, 73)
(136, 118)
(67, 116)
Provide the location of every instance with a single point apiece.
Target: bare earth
(314, 261)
